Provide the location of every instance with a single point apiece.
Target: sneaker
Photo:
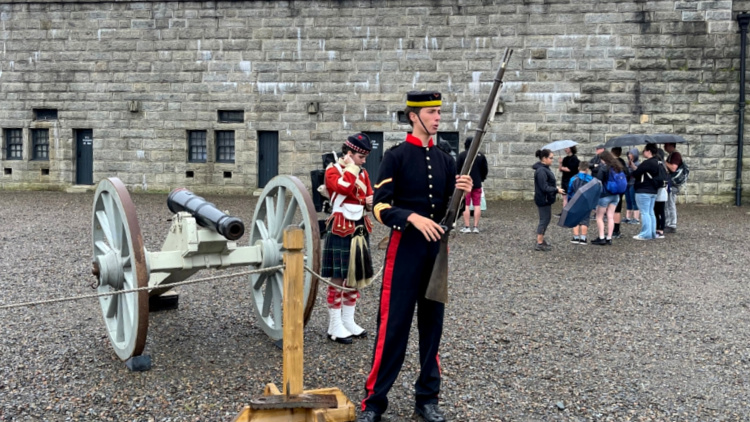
(545, 243)
(616, 235)
(542, 247)
(575, 240)
(670, 230)
(625, 221)
(638, 237)
(634, 221)
(582, 241)
(465, 230)
(609, 242)
(599, 241)
(659, 236)
(476, 230)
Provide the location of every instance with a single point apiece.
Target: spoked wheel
(120, 264)
(283, 202)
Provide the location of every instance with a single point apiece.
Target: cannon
(206, 214)
(200, 237)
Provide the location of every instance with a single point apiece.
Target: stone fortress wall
(143, 75)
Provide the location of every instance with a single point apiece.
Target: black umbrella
(631, 139)
(581, 204)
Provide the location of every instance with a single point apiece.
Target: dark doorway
(84, 157)
(376, 155)
(453, 141)
(268, 156)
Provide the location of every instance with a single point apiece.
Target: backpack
(617, 183)
(680, 176)
(662, 177)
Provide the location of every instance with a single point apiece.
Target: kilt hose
(408, 266)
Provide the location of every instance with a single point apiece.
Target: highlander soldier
(346, 256)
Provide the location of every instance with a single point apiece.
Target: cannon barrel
(206, 214)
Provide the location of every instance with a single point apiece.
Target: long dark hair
(543, 153)
(611, 161)
(573, 150)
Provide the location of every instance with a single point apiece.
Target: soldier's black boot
(368, 416)
(429, 413)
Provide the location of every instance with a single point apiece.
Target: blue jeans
(645, 203)
(630, 199)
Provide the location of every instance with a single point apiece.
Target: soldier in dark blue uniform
(415, 184)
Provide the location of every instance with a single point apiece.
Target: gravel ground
(636, 331)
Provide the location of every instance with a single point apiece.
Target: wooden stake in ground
(295, 404)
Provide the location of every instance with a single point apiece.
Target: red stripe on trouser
(350, 297)
(385, 298)
(334, 297)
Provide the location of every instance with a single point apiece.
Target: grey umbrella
(631, 139)
(560, 145)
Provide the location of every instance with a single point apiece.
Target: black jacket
(545, 185)
(411, 179)
(479, 170)
(644, 183)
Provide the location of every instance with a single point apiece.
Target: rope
(121, 292)
(177, 284)
(332, 284)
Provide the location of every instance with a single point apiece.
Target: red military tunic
(348, 186)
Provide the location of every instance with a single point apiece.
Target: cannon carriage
(200, 237)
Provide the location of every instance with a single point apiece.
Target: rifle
(437, 289)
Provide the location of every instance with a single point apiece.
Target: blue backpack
(617, 183)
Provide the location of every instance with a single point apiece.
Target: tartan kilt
(336, 251)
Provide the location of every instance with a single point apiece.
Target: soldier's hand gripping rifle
(437, 289)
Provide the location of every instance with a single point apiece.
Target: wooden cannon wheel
(283, 202)
(120, 264)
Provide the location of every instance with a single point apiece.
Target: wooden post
(293, 325)
(283, 408)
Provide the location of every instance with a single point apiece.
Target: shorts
(474, 197)
(606, 200)
(619, 204)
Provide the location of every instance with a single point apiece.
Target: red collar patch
(418, 142)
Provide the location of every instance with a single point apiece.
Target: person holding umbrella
(545, 194)
(582, 178)
(568, 168)
(674, 161)
(646, 186)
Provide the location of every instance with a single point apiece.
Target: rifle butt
(437, 289)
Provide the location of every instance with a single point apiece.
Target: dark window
(402, 117)
(197, 146)
(452, 139)
(225, 146)
(231, 116)
(13, 144)
(40, 144)
(45, 114)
